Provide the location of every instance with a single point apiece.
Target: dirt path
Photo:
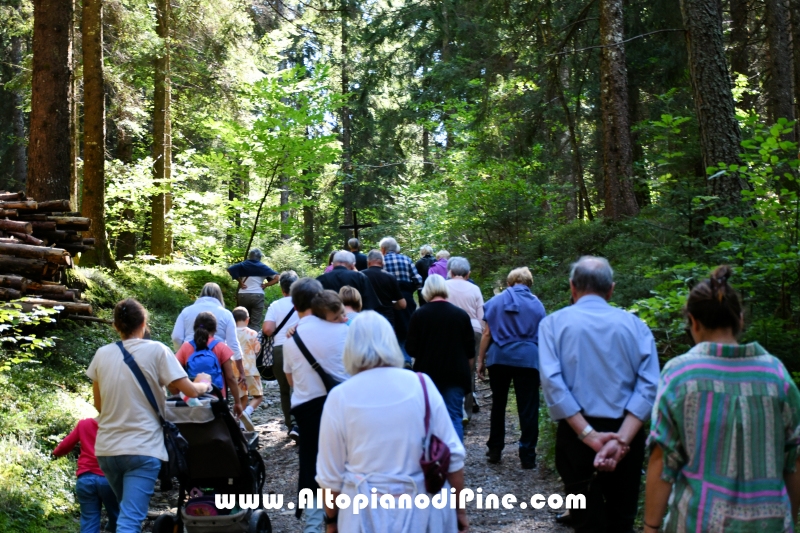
(280, 456)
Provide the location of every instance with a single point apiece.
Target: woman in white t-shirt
(282, 313)
(130, 441)
(380, 408)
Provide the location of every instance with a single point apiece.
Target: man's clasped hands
(610, 448)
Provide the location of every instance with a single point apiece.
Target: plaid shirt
(402, 268)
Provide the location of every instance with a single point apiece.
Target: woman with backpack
(208, 355)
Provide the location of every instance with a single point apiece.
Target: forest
(660, 134)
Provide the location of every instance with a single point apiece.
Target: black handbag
(176, 445)
(264, 358)
(329, 381)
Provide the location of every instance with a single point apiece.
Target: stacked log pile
(37, 242)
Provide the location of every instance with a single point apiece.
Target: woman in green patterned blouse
(725, 428)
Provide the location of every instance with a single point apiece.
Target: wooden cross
(355, 226)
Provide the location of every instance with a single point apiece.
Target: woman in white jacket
(371, 438)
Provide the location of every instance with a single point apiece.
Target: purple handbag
(435, 460)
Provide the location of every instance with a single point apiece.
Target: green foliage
(291, 256)
(18, 343)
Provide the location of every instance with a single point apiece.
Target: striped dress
(727, 418)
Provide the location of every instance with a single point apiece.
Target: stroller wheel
(165, 523)
(259, 522)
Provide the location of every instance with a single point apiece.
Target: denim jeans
(526, 389)
(315, 519)
(454, 400)
(133, 479)
(94, 492)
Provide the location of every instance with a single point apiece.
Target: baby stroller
(222, 459)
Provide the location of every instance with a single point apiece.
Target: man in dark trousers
(386, 287)
(361, 259)
(423, 264)
(344, 273)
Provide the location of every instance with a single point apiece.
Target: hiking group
(721, 422)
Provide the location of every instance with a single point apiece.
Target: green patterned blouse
(728, 420)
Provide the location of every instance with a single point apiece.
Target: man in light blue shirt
(599, 371)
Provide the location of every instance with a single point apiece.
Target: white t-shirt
(252, 285)
(127, 424)
(325, 340)
(378, 410)
(276, 313)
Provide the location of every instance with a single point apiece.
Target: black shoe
(565, 518)
(476, 406)
(294, 433)
(528, 465)
(494, 456)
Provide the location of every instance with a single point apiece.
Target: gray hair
(371, 343)
(435, 286)
(255, 254)
(303, 291)
(212, 290)
(287, 278)
(354, 244)
(458, 266)
(442, 254)
(343, 256)
(425, 250)
(374, 255)
(390, 245)
(592, 274)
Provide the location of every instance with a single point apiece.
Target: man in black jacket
(361, 259)
(344, 273)
(386, 287)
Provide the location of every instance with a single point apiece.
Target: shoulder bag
(329, 381)
(175, 443)
(435, 460)
(264, 359)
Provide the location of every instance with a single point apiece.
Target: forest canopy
(660, 134)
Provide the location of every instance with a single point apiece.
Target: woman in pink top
(92, 487)
(466, 295)
(205, 326)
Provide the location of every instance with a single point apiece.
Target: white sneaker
(246, 422)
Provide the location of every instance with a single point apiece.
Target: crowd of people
(721, 422)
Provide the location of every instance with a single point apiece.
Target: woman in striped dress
(725, 428)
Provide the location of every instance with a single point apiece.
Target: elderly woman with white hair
(381, 409)
(466, 295)
(210, 300)
(441, 340)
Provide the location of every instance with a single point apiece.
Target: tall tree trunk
(284, 210)
(620, 200)
(740, 51)
(75, 121)
(20, 156)
(94, 135)
(162, 139)
(779, 87)
(345, 133)
(794, 11)
(720, 137)
(48, 149)
(308, 219)
(126, 241)
(584, 205)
